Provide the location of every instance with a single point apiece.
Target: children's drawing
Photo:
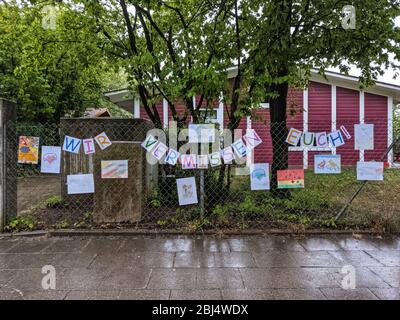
(28, 150)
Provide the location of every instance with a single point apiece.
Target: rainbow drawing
(114, 169)
(290, 178)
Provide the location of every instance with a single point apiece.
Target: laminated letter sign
(321, 140)
(227, 155)
(172, 157)
(103, 141)
(252, 139)
(215, 159)
(72, 144)
(259, 177)
(364, 136)
(189, 161)
(336, 139)
(371, 170)
(293, 137)
(50, 161)
(88, 146)
(187, 193)
(159, 150)
(345, 132)
(149, 143)
(307, 139)
(240, 148)
(202, 161)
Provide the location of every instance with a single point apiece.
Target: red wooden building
(326, 105)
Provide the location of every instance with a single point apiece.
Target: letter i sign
(103, 141)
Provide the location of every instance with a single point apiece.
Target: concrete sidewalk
(203, 267)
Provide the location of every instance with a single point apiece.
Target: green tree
(169, 50)
(284, 39)
(177, 49)
(51, 71)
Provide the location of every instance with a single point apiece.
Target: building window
(209, 115)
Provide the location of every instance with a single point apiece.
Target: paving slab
(391, 243)
(201, 267)
(364, 277)
(194, 260)
(355, 258)
(327, 243)
(104, 245)
(6, 276)
(172, 279)
(196, 294)
(287, 278)
(137, 278)
(351, 243)
(390, 275)
(273, 294)
(315, 259)
(387, 294)
(67, 245)
(92, 295)
(25, 260)
(263, 244)
(31, 245)
(219, 278)
(234, 260)
(389, 258)
(145, 294)
(351, 294)
(7, 245)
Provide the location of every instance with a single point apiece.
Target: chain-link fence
(148, 197)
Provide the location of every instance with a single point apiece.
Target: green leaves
(178, 49)
(49, 72)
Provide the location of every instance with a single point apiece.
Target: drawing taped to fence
(221, 198)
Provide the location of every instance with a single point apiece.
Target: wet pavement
(201, 267)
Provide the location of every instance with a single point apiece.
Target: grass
(315, 206)
(376, 208)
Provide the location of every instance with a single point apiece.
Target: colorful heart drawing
(50, 158)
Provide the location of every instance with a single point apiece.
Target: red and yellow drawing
(290, 178)
(28, 150)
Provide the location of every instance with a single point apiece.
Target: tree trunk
(278, 134)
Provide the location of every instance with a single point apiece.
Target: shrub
(22, 223)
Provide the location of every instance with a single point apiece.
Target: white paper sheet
(50, 159)
(259, 176)
(370, 170)
(80, 183)
(364, 136)
(187, 193)
(201, 133)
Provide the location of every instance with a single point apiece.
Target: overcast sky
(388, 77)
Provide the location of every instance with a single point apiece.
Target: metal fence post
(202, 194)
(8, 146)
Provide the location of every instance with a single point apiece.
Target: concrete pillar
(8, 162)
(120, 200)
